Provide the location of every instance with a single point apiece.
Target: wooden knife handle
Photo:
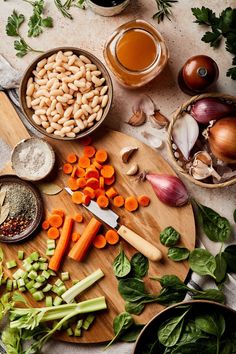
(141, 245)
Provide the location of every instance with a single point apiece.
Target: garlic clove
(145, 104)
(159, 120)
(133, 170)
(137, 119)
(199, 170)
(152, 140)
(204, 157)
(126, 152)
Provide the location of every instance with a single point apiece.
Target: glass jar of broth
(136, 53)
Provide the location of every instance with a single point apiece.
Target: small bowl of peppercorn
(21, 209)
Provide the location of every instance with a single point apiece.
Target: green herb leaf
(212, 37)
(204, 16)
(36, 21)
(227, 21)
(164, 9)
(21, 47)
(221, 268)
(191, 333)
(178, 254)
(212, 324)
(231, 73)
(139, 265)
(210, 294)
(229, 255)
(134, 308)
(13, 24)
(206, 347)
(171, 281)
(202, 262)
(120, 324)
(17, 297)
(170, 296)
(133, 290)
(131, 333)
(11, 338)
(121, 265)
(169, 236)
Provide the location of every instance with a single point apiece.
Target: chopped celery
(51, 244)
(76, 289)
(37, 285)
(40, 279)
(20, 255)
(38, 295)
(30, 284)
(48, 301)
(43, 266)
(28, 267)
(47, 288)
(69, 332)
(22, 289)
(32, 275)
(55, 289)
(57, 301)
(32, 290)
(42, 259)
(46, 274)
(49, 252)
(77, 332)
(34, 256)
(88, 321)
(11, 264)
(61, 290)
(75, 281)
(36, 265)
(79, 323)
(20, 282)
(59, 282)
(52, 272)
(65, 276)
(9, 285)
(28, 260)
(65, 325)
(24, 276)
(14, 284)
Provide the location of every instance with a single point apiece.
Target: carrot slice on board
(89, 151)
(99, 191)
(109, 181)
(81, 182)
(96, 164)
(91, 173)
(84, 162)
(112, 237)
(77, 197)
(75, 236)
(72, 158)
(79, 218)
(101, 156)
(131, 203)
(101, 182)
(45, 225)
(73, 173)
(119, 201)
(53, 233)
(111, 192)
(93, 183)
(89, 191)
(100, 241)
(107, 171)
(67, 168)
(55, 220)
(59, 212)
(80, 172)
(144, 200)
(86, 199)
(72, 183)
(86, 140)
(103, 201)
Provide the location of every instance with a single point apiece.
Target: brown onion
(222, 139)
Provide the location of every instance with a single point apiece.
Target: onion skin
(207, 109)
(169, 189)
(222, 139)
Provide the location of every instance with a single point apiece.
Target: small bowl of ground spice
(21, 209)
(33, 159)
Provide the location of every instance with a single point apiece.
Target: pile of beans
(67, 94)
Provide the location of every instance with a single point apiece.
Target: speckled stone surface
(183, 38)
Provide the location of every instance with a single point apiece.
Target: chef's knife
(110, 218)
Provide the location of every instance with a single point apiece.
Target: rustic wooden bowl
(149, 332)
(177, 115)
(28, 73)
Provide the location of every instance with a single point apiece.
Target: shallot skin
(169, 189)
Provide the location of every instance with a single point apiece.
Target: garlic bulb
(201, 167)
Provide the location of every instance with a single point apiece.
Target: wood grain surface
(148, 222)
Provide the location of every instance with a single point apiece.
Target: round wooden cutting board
(148, 222)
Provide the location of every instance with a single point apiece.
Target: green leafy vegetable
(64, 8)
(229, 255)
(202, 262)
(221, 268)
(139, 265)
(209, 294)
(121, 265)
(169, 236)
(131, 334)
(120, 324)
(164, 9)
(178, 254)
(11, 338)
(133, 290)
(134, 308)
(211, 324)
(36, 21)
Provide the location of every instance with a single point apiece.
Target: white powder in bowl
(33, 159)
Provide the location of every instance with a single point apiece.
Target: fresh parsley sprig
(222, 26)
(36, 21)
(64, 8)
(164, 9)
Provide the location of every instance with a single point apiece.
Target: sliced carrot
(55, 220)
(102, 201)
(86, 140)
(100, 241)
(81, 182)
(62, 244)
(67, 168)
(86, 199)
(89, 151)
(80, 249)
(111, 192)
(107, 171)
(101, 156)
(144, 200)
(72, 158)
(91, 173)
(80, 172)
(101, 182)
(45, 225)
(93, 183)
(99, 191)
(75, 236)
(77, 197)
(73, 173)
(89, 191)
(59, 212)
(131, 203)
(96, 164)
(53, 233)
(79, 218)
(119, 201)
(109, 181)
(72, 183)
(84, 162)
(112, 237)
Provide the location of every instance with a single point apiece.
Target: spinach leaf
(206, 347)
(139, 265)
(170, 331)
(221, 268)
(132, 333)
(133, 290)
(210, 294)
(169, 236)
(202, 262)
(135, 308)
(216, 227)
(229, 255)
(191, 333)
(120, 324)
(121, 265)
(178, 253)
(211, 324)
(171, 281)
(170, 296)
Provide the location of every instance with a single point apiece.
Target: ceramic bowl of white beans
(66, 93)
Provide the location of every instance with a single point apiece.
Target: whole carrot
(81, 247)
(62, 245)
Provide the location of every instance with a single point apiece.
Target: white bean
(36, 119)
(29, 82)
(68, 53)
(76, 130)
(72, 86)
(42, 93)
(56, 92)
(50, 130)
(71, 101)
(71, 60)
(49, 66)
(42, 72)
(40, 111)
(52, 75)
(103, 90)
(85, 59)
(42, 102)
(96, 73)
(41, 81)
(62, 99)
(104, 101)
(99, 115)
(74, 69)
(79, 98)
(78, 75)
(78, 62)
(68, 111)
(87, 108)
(42, 63)
(56, 126)
(91, 66)
(79, 83)
(70, 135)
(68, 79)
(64, 87)
(80, 123)
(66, 129)
(96, 109)
(94, 102)
(90, 124)
(45, 125)
(59, 108)
(92, 117)
(84, 99)
(85, 123)
(59, 133)
(53, 104)
(43, 117)
(30, 90)
(89, 95)
(96, 80)
(88, 76)
(69, 123)
(75, 108)
(62, 120)
(28, 101)
(53, 113)
(56, 118)
(35, 102)
(66, 95)
(78, 114)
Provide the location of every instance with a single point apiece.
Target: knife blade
(111, 218)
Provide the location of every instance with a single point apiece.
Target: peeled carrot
(89, 191)
(72, 158)
(86, 199)
(81, 182)
(107, 171)
(75, 236)
(131, 203)
(45, 225)
(112, 237)
(72, 183)
(119, 201)
(101, 156)
(80, 172)
(80, 249)
(101, 182)
(67, 168)
(77, 197)
(55, 220)
(53, 233)
(62, 244)
(103, 201)
(89, 151)
(84, 162)
(58, 212)
(99, 192)
(143, 200)
(111, 192)
(109, 181)
(93, 183)
(100, 241)
(79, 217)
(91, 173)
(96, 164)
(73, 173)
(86, 140)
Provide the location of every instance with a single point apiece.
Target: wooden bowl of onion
(202, 140)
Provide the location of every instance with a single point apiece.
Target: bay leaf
(2, 197)
(49, 188)
(5, 209)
